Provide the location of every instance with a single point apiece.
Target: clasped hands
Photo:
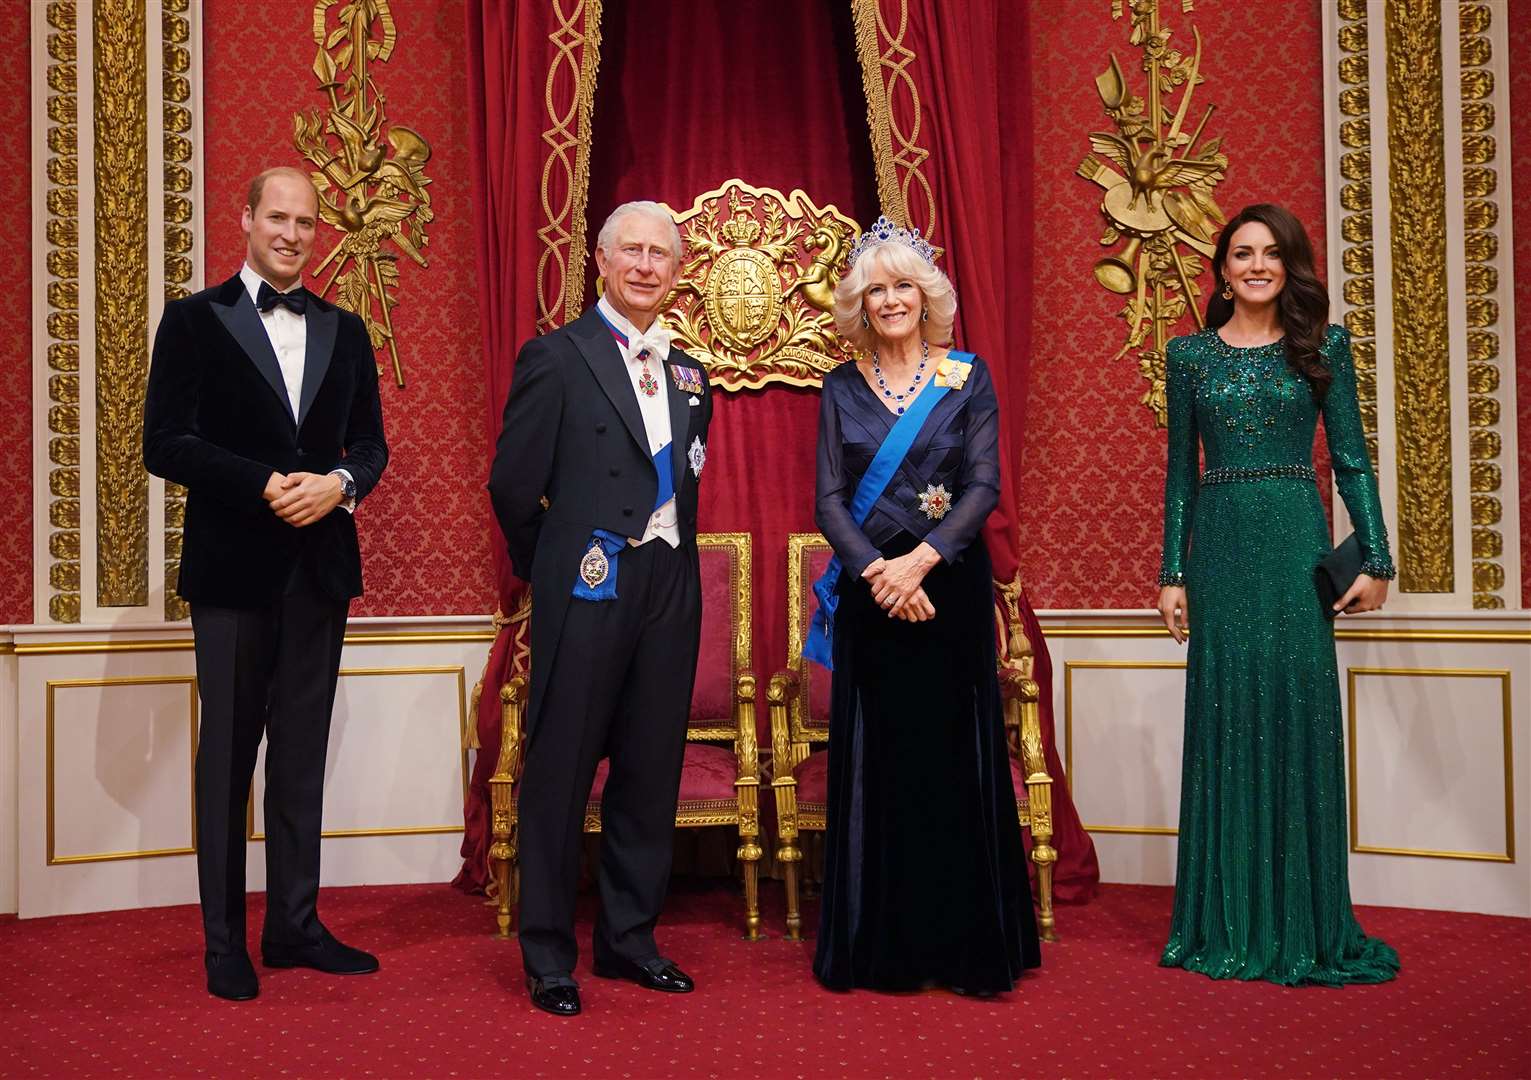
(302, 498)
(897, 584)
(1366, 593)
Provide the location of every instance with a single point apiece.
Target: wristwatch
(347, 485)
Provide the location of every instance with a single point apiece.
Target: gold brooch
(935, 501)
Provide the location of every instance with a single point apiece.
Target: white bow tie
(656, 340)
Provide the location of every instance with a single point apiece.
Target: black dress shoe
(231, 976)
(556, 994)
(326, 954)
(655, 974)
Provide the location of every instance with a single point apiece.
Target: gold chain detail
(1484, 365)
(1358, 270)
(1421, 347)
(63, 319)
(179, 243)
(561, 269)
(885, 62)
(122, 302)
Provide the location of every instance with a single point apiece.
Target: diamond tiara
(884, 231)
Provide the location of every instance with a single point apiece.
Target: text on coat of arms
(755, 299)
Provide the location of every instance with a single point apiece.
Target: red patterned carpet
(121, 994)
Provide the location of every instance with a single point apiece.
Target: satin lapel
(680, 422)
(242, 321)
(600, 351)
(317, 352)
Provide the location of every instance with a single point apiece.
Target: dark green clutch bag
(1337, 572)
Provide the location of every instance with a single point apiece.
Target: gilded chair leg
(790, 856)
(752, 897)
(500, 860)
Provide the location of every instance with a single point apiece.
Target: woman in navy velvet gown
(925, 880)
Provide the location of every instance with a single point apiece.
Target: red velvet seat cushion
(707, 775)
(812, 778)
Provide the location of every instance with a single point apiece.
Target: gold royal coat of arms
(755, 299)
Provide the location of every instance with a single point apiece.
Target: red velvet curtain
(974, 99)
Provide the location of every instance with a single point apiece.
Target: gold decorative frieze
(1161, 219)
(63, 319)
(1421, 347)
(569, 99)
(755, 298)
(179, 129)
(370, 172)
(1480, 244)
(1358, 272)
(122, 302)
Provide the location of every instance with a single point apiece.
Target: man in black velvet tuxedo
(263, 403)
(595, 487)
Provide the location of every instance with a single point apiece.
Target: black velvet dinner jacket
(218, 421)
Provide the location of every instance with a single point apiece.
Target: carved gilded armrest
(1023, 721)
(502, 850)
(747, 786)
(781, 693)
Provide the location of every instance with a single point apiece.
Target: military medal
(646, 381)
(935, 501)
(594, 567)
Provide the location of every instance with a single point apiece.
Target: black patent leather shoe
(231, 976)
(326, 955)
(655, 974)
(556, 995)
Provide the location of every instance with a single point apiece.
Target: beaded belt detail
(1234, 474)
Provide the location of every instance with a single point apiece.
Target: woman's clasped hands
(898, 584)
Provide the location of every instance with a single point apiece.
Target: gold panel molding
(63, 313)
(576, 42)
(1421, 347)
(122, 301)
(1069, 667)
(1357, 269)
(755, 297)
(179, 132)
(1485, 367)
(54, 685)
(1508, 854)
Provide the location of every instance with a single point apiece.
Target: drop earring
(924, 315)
(1227, 293)
(865, 322)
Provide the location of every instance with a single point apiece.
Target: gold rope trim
(879, 118)
(885, 63)
(179, 243)
(1480, 215)
(122, 302)
(576, 42)
(63, 318)
(1417, 157)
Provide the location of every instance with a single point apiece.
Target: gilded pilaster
(179, 130)
(122, 302)
(1358, 283)
(63, 318)
(1480, 185)
(1421, 346)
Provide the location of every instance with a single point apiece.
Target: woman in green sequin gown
(1262, 888)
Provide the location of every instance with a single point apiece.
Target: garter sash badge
(697, 455)
(594, 567)
(935, 501)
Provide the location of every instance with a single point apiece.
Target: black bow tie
(267, 298)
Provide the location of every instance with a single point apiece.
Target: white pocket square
(694, 400)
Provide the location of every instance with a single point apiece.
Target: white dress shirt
(288, 334)
(655, 410)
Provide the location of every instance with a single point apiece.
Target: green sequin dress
(1261, 887)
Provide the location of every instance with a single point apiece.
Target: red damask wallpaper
(1092, 495)
(425, 530)
(16, 320)
(1520, 174)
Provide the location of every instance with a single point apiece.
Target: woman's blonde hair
(904, 263)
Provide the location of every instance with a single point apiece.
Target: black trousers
(620, 688)
(271, 671)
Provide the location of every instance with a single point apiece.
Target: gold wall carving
(179, 131)
(1158, 201)
(63, 313)
(566, 171)
(371, 175)
(755, 298)
(1358, 272)
(885, 60)
(1421, 347)
(1480, 216)
(122, 302)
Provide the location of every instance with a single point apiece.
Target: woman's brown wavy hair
(1303, 305)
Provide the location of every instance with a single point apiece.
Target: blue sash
(612, 543)
(890, 455)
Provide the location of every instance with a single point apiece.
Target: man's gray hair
(608, 234)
